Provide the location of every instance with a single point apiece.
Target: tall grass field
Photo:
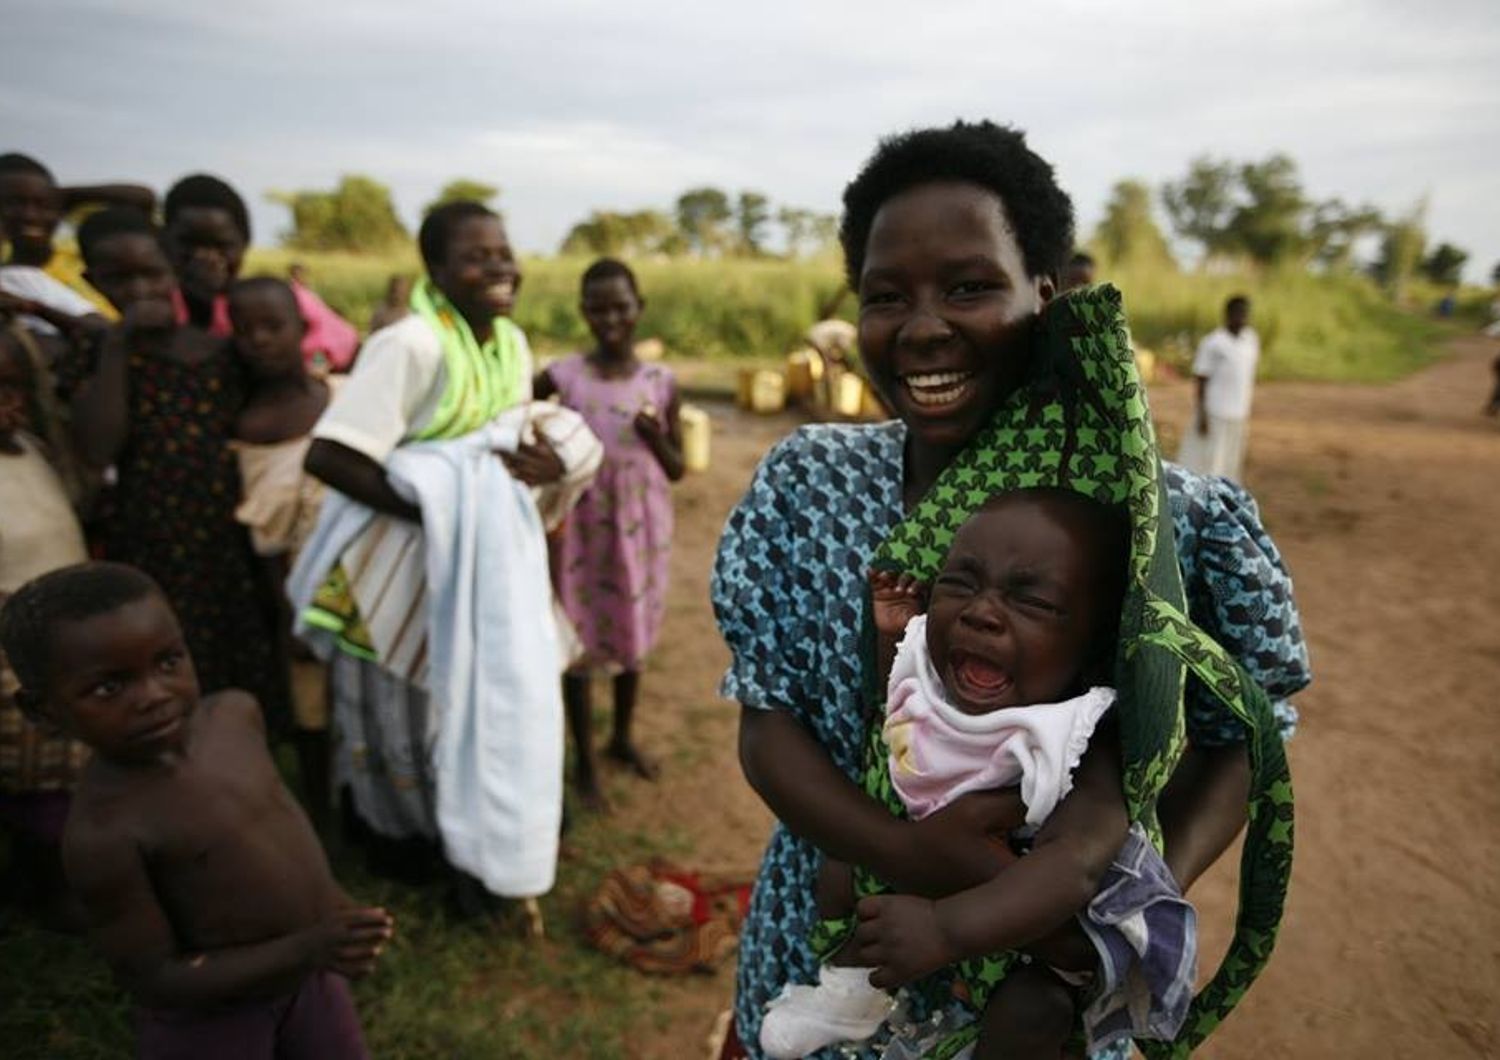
(1312, 327)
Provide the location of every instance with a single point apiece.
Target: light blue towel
(493, 653)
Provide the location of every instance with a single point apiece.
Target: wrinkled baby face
(1014, 613)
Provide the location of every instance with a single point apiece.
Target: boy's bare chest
(231, 853)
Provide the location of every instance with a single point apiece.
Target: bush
(1336, 327)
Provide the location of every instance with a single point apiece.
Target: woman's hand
(901, 937)
(534, 463)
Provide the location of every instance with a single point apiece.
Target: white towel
(490, 657)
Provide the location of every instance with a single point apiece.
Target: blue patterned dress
(789, 592)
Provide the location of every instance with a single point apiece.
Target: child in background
(280, 502)
(612, 553)
(999, 683)
(38, 533)
(160, 407)
(207, 234)
(31, 207)
(203, 882)
(396, 304)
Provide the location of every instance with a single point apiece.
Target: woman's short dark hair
(992, 156)
(439, 224)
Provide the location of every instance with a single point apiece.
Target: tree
(701, 215)
(1128, 232)
(1495, 274)
(1401, 247)
(1445, 265)
(356, 215)
(1267, 223)
(752, 213)
(1201, 205)
(806, 229)
(1335, 228)
(463, 189)
(796, 227)
(825, 230)
(612, 234)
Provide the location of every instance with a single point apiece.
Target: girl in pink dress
(610, 557)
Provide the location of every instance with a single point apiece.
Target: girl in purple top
(610, 557)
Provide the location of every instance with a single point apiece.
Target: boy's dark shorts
(317, 1021)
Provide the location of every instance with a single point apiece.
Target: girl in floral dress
(159, 407)
(610, 558)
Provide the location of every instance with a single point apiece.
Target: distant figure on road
(395, 305)
(1214, 443)
(1078, 272)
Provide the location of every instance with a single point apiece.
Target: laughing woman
(444, 371)
(952, 240)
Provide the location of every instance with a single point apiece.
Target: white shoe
(843, 1007)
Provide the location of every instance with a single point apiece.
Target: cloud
(580, 104)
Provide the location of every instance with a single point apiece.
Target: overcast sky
(575, 104)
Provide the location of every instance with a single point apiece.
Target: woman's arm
(664, 439)
(355, 475)
(101, 404)
(1202, 808)
(136, 196)
(797, 779)
(907, 938)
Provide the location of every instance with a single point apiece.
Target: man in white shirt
(1214, 443)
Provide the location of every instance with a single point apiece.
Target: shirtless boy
(203, 882)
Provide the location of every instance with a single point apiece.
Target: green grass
(1335, 328)
(1312, 327)
(699, 309)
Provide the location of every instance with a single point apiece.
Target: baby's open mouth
(977, 679)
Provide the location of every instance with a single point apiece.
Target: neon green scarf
(483, 381)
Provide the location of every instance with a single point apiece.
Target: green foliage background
(1333, 327)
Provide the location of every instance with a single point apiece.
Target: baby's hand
(898, 598)
(901, 937)
(351, 939)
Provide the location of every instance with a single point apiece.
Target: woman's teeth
(937, 388)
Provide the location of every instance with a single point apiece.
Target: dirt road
(1386, 501)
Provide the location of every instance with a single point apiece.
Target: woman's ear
(1046, 288)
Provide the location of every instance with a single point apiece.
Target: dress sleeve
(1239, 592)
(753, 590)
